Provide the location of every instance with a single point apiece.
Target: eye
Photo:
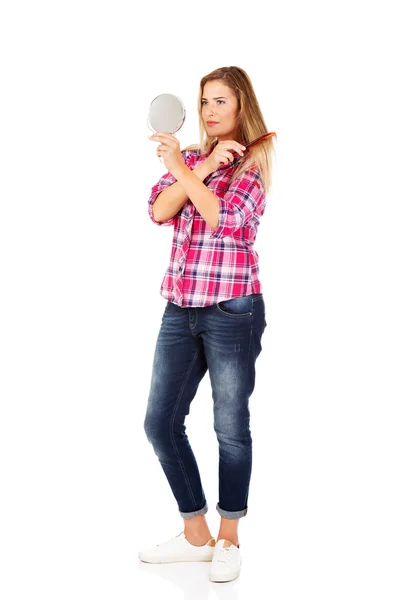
(205, 102)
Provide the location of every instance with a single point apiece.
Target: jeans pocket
(258, 296)
(236, 307)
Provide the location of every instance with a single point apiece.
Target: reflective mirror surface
(167, 113)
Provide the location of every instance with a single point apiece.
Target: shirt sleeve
(244, 197)
(164, 182)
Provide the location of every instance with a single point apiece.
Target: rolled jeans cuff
(195, 513)
(228, 514)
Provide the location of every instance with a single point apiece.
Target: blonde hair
(250, 124)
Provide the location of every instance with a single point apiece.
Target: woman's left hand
(170, 150)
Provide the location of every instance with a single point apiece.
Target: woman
(215, 315)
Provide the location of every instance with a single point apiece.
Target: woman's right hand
(221, 154)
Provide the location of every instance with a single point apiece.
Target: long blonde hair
(250, 124)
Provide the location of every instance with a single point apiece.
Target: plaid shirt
(209, 266)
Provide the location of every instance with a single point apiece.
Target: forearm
(205, 201)
(171, 200)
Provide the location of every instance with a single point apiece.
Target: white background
(80, 270)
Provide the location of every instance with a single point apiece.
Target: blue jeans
(224, 338)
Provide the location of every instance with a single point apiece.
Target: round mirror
(166, 113)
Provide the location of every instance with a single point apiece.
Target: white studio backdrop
(81, 266)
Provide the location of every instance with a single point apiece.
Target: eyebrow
(218, 97)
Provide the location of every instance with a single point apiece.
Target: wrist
(181, 171)
(203, 170)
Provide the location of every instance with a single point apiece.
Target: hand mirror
(167, 113)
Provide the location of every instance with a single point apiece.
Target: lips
(211, 123)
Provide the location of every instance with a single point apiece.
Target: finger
(227, 157)
(167, 135)
(166, 146)
(240, 146)
(240, 149)
(163, 136)
(238, 152)
(162, 149)
(233, 145)
(168, 143)
(159, 138)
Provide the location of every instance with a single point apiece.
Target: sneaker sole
(223, 578)
(164, 560)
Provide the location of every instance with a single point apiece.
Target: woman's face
(219, 105)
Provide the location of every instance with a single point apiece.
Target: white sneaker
(178, 549)
(226, 562)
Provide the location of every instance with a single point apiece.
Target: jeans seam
(237, 316)
(247, 375)
(171, 431)
(251, 335)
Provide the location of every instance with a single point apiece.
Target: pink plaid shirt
(209, 266)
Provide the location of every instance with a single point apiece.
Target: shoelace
(223, 554)
(174, 540)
